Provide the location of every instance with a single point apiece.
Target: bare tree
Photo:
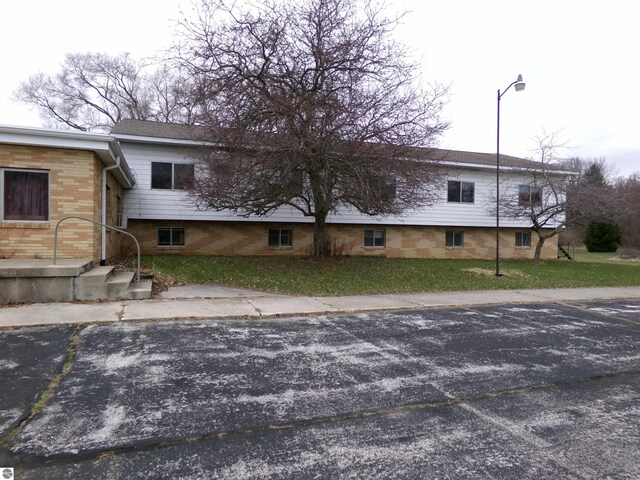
(626, 199)
(94, 91)
(592, 182)
(557, 193)
(317, 107)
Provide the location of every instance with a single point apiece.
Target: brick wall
(115, 197)
(74, 178)
(236, 238)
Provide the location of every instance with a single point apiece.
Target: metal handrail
(55, 240)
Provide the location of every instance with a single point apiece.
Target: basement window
(454, 239)
(523, 239)
(374, 238)
(280, 238)
(171, 236)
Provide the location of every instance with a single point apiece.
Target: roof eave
(106, 147)
(162, 140)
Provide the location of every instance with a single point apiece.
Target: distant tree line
(611, 218)
(579, 199)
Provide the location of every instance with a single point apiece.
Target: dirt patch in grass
(485, 272)
(625, 258)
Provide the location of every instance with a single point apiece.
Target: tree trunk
(321, 247)
(538, 251)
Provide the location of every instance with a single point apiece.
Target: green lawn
(581, 255)
(361, 275)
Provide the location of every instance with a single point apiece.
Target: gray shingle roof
(145, 128)
(478, 158)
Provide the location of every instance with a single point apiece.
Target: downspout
(103, 236)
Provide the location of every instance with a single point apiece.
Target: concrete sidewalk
(209, 301)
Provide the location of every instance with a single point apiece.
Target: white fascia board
(162, 141)
(67, 137)
(41, 137)
(126, 178)
(503, 168)
(104, 146)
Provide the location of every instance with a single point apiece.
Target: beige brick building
(242, 238)
(46, 176)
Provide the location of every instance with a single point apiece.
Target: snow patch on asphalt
(283, 400)
(533, 309)
(615, 311)
(112, 420)
(475, 369)
(112, 364)
(6, 364)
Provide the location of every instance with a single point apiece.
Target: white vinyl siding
(144, 203)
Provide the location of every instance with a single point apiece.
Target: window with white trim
(375, 238)
(454, 239)
(461, 192)
(25, 195)
(523, 239)
(280, 237)
(171, 236)
(529, 195)
(171, 176)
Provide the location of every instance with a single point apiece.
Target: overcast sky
(579, 60)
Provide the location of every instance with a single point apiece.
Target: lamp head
(519, 85)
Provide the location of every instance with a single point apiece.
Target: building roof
(141, 130)
(146, 128)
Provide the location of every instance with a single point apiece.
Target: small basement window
(374, 238)
(454, 239)
(280, 237)
(171, 236)
(523, 239)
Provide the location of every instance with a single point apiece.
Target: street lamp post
(519, 86)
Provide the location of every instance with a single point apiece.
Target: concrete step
(141, 291)
(92, 285)
(38, 280)
(118, 284)
(40, 268)
(102, 283)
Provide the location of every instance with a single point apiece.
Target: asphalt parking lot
(511, 391)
